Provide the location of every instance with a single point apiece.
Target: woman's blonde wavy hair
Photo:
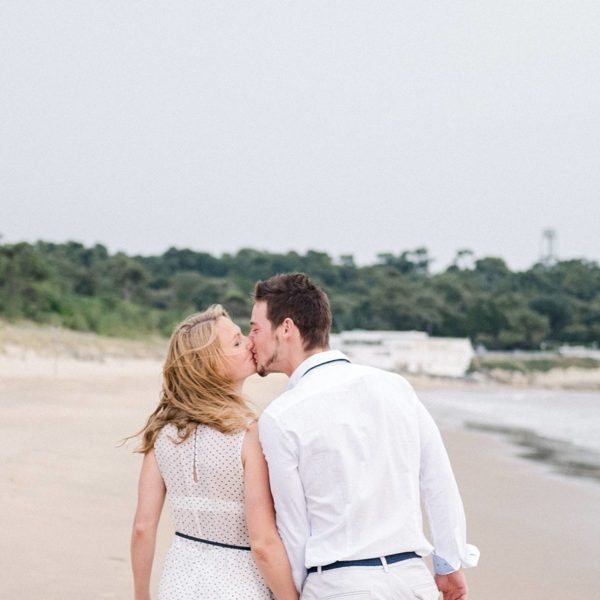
(196, 388)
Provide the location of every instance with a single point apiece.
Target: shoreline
(561, 457)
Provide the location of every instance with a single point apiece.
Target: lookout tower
(548, 257)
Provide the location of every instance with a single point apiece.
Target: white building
(579, 352)
(406, 351)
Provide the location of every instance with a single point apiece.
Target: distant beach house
(406, 351)
(579, 352)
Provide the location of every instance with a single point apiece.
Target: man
(352, 454)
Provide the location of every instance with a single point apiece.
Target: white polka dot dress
(211, 508)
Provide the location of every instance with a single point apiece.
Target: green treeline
(89, 289)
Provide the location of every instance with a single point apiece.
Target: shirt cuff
(442, 567)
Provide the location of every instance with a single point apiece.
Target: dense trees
(90, 289)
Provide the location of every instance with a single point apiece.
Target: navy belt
(366, 562)
(220, 544)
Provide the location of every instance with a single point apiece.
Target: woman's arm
(267, 547)
(151, 497)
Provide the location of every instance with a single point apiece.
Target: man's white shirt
(352, 453)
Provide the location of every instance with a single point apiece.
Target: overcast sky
(347, 127)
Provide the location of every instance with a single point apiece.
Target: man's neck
(298, 358)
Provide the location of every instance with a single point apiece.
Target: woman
(201, 447)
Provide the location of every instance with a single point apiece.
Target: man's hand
(453, 586)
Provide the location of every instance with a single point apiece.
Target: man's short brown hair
(295, 296)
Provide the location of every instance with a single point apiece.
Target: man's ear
(288, 326)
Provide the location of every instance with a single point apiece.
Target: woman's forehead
(226, 326)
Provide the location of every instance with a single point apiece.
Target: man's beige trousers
(405, 580)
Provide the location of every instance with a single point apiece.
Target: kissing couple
(321, 497)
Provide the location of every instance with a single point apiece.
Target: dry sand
(68, 491)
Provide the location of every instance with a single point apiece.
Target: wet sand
(68, 491)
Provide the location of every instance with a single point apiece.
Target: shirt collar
(314, 360)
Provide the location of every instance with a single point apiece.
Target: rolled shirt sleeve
(442, 501)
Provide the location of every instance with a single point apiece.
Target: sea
(557, 427)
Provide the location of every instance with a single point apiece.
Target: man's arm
(288, 493)
(442, 501)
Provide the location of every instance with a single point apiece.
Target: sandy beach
(69, 491)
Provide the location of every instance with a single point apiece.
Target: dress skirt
(194, 570)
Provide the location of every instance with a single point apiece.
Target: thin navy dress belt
(211, 543)
(366, 562)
